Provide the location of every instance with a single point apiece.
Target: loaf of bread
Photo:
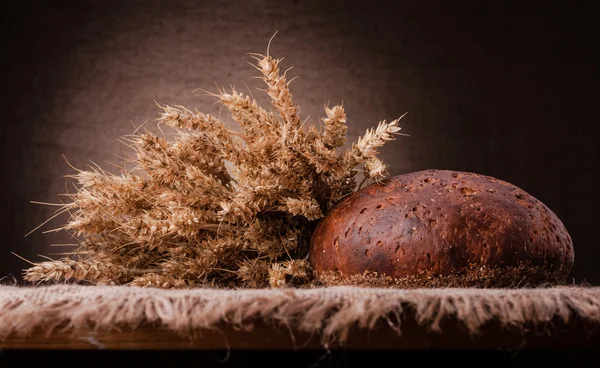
(441, 228)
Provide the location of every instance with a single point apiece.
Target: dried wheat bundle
(215, 207)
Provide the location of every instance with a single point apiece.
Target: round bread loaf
(441, 228)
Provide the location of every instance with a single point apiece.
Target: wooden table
(262, 336)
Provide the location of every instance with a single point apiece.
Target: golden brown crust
(437, 223)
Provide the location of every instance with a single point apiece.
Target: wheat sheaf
(210, 206)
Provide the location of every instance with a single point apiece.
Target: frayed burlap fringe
(331, 312)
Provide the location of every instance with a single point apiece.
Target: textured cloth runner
(330, 312)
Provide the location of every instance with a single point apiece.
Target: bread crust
(439, 223)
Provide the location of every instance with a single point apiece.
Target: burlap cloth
(331, 312)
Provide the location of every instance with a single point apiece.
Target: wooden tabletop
(262, 336)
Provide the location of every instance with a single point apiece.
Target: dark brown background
(490, 87)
